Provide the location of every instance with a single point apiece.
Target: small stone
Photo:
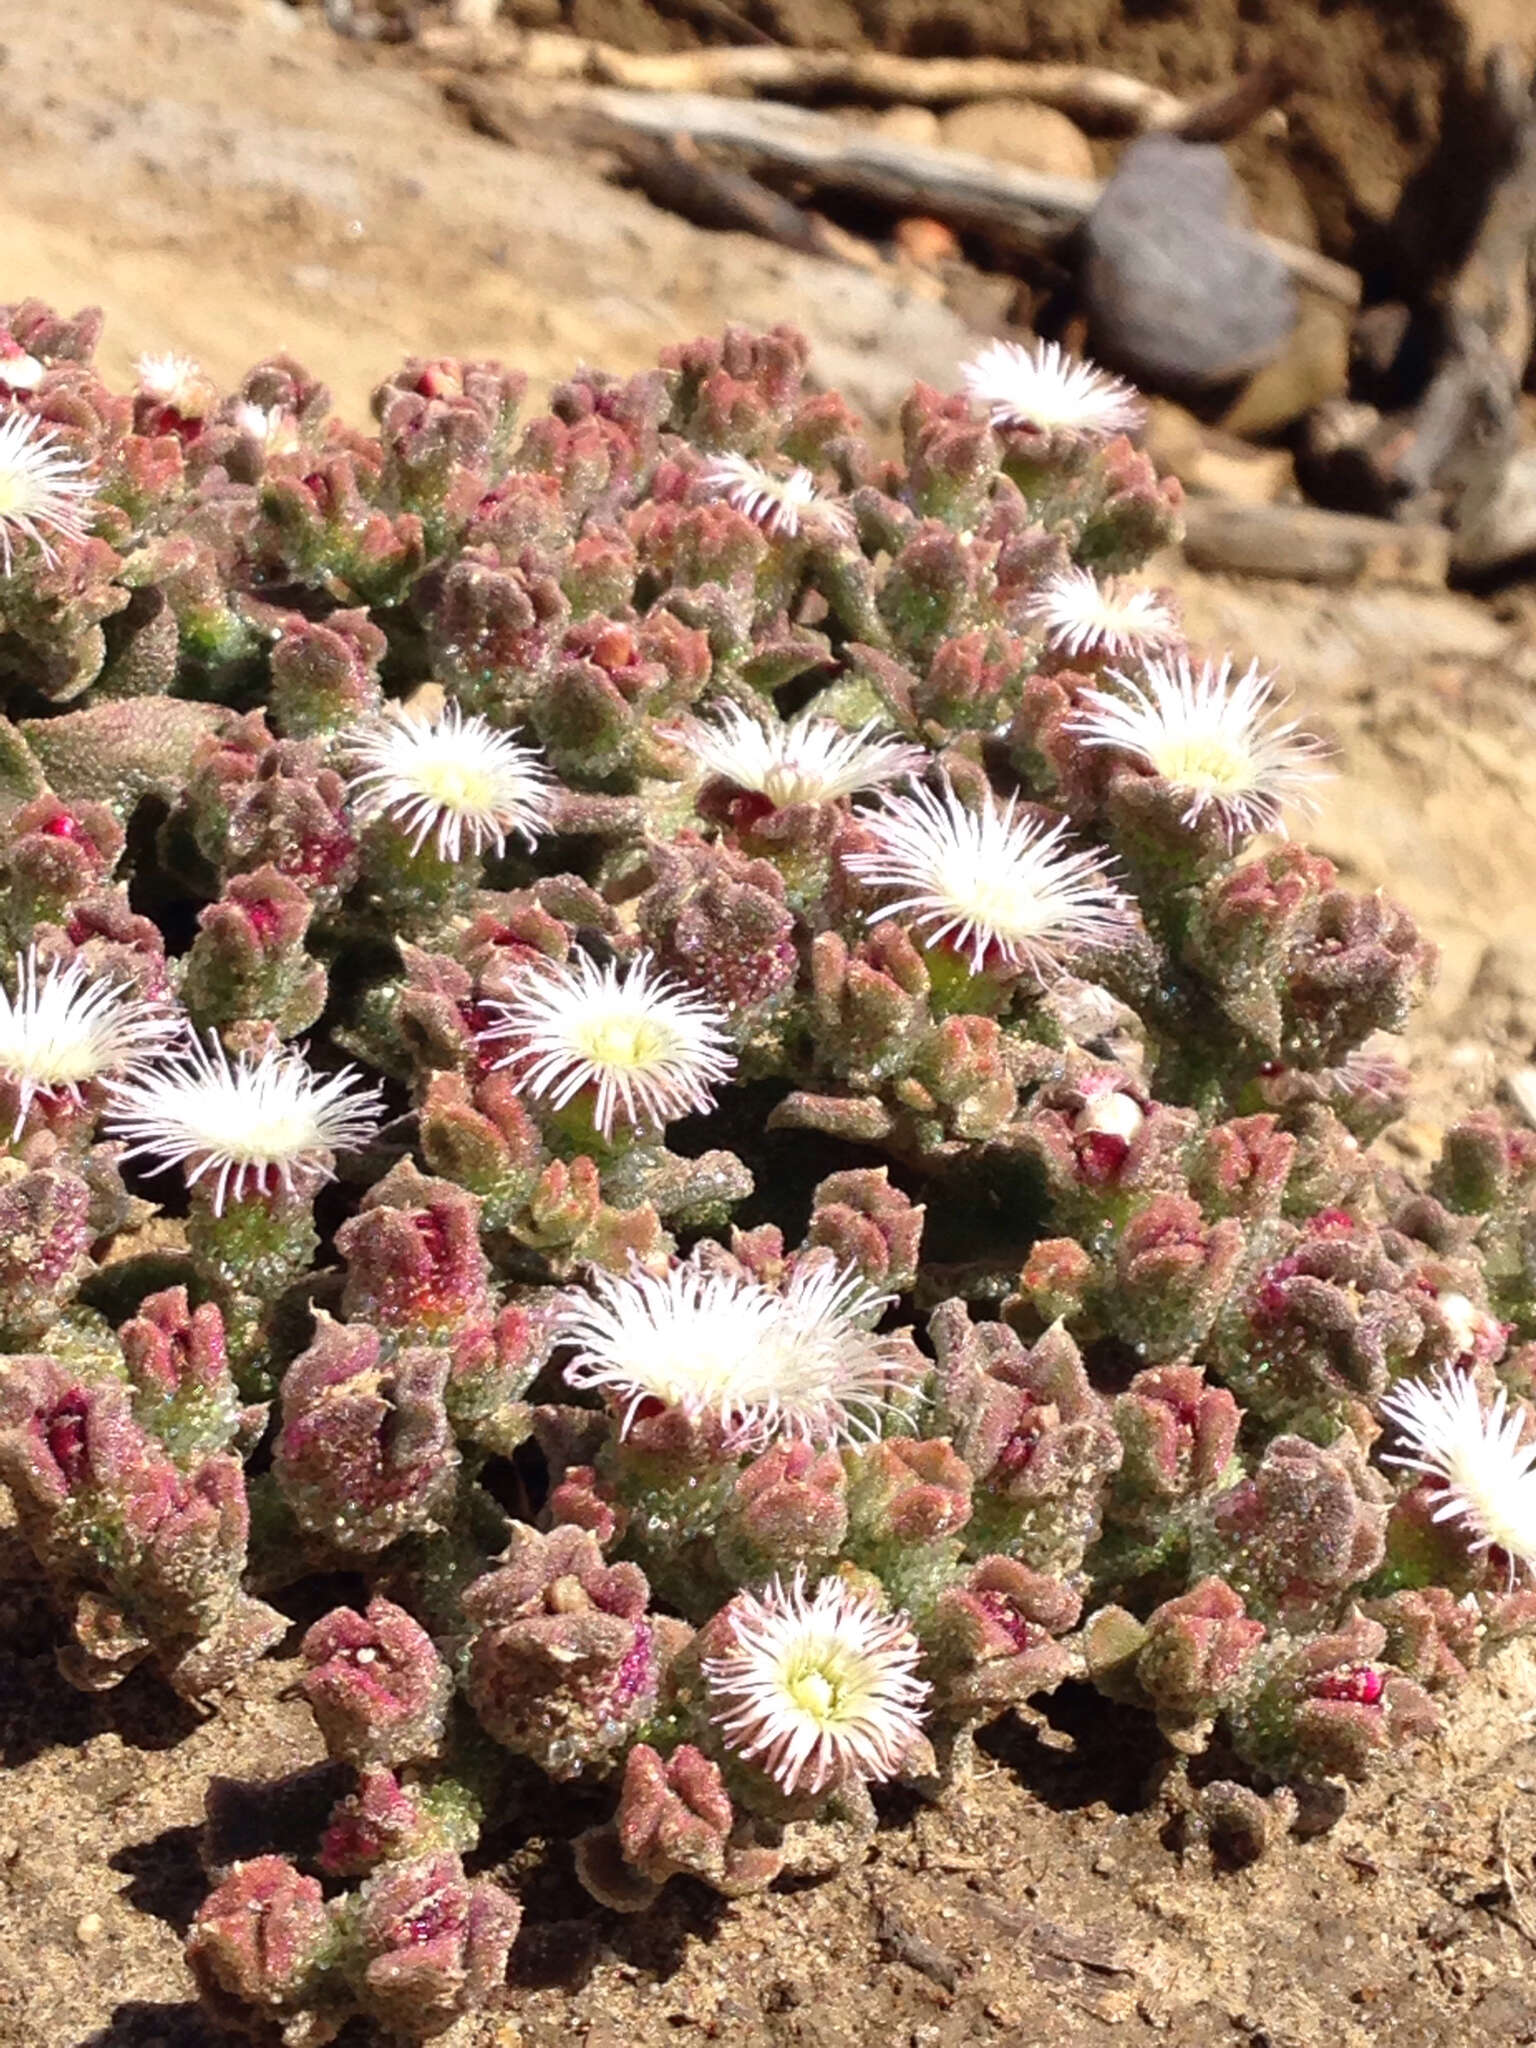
(1312, 369)
(1178, 292)
(1105, 1865)
(1207, 460)
(925, 241)
(1020, 132)
(88, 1928)
(917, 125)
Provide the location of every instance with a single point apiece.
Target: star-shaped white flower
(1039, 386)
(1214, 737)
(760, 1363)
(804, 761)
(64, 1027)
(817, 1688)
(453, 779)
(1109, 619)
(271, 427)
(43, 489)
(648, 1047)
(783, 506)
(178, 382)
(991, 882)
(247, 1124)
(1481, 1458)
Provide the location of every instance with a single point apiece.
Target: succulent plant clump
(666, 1037)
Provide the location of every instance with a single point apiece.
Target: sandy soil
(230, 179)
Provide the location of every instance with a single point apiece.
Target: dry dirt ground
(229, 180)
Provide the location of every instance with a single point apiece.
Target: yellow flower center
(628, 1041)
(61, 1063)
(787, 784)
(1204, 761)
(817, 1693)
(827, 1682)
(1001, 900)
(462, 786)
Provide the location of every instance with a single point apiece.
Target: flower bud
(431, 1944)
(365, 1453)
(563, 1662)
(261, 1938)
(376, 1685)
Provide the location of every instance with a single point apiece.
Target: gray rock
(1179, 293)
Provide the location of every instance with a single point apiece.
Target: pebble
(903, 123)
(1020, 132)
(925, 241)
(1178, 291)
(88, 1928)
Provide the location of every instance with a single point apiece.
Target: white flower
(63, 1028)
(1214, 737)
(1039, 385)
(453, 778)
(806, 761)
(21, 372)
(988, 881)
(647, 1045)
(1369, 1075)
(1112, 619)
(1110, 1114)
(250, 1122)
(818, 1689)
(762, 1364)
(177, 381)
(273, 429)
(780, 505)
(43, 489)
(1481, 1457)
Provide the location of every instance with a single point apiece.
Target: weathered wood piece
(1306, 544)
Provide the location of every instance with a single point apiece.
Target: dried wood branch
(1096, 97)
(678, 176)
(1305, 544)
(1017, 209)
(906, 1945)
(1088, 1948)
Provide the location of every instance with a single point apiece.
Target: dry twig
(1306, 544)
(907, 1946)
(1096, 97)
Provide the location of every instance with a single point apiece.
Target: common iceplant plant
(665, 1038)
